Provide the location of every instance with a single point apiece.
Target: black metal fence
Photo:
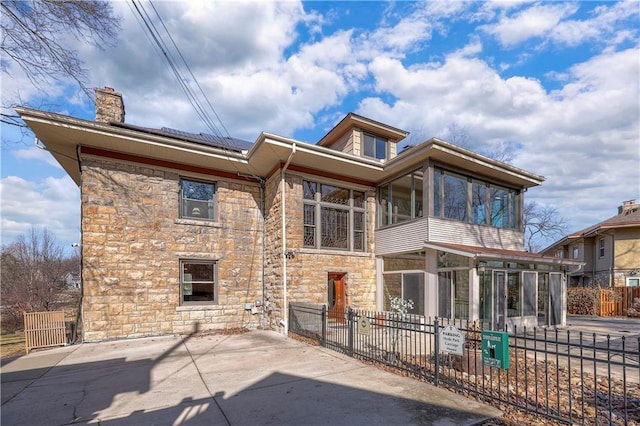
(570, 377)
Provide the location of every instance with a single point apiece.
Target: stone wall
(133, 241)
(307, 272)
(109, 105)
(273, 252)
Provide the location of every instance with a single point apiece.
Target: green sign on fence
(495, 349)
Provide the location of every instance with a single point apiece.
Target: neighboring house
(610, 250)
(184, 231)
(72, 281)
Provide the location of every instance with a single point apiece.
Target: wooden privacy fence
(44, 329)
(615, 301)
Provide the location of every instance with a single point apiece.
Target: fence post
(324, 325)
(437, 348)
(350, 329)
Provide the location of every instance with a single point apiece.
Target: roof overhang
(352, 120)
(485, 253)
(65, 136)
(448, 154)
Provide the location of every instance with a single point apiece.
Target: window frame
(460, 204)
(414, 209)
(515, 294)
(213, 282)
(377, 142)
(601, 248)
(320, 211)
(212, 204)
(576, 251)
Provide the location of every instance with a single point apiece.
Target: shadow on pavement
(121, 391)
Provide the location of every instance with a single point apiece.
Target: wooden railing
(44, 329)
(616, 304)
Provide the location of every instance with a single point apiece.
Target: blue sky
(556, 81)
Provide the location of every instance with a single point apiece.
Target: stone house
(609, 249)
(184, 231)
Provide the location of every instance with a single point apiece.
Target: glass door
(499, 300)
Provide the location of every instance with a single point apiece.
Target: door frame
(496, 323)
(337, 296)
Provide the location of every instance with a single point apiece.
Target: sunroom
(450, 238)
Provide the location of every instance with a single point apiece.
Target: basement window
(198, 282)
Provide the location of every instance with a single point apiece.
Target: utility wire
(147, 24)
(226, 132)
(166, 55)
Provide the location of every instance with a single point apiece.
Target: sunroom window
(400, 199)
(490, 204)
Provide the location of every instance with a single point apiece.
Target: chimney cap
(109, 105)
(107, 89)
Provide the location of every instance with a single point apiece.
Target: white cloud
(602, 27)
(584, 137)
(535, 21)
(260, 75)
(51, 203)
(38, 155)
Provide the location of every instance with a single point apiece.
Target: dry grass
(12, 345)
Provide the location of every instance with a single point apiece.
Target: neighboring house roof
(66, 137)
(628, 217)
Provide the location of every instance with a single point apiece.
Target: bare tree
(541, 224)
(33, 271)
(460, 135)
(34, 34)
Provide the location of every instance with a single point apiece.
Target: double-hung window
(198, 200)
(198, 282)
(334, 217)
(601, 248)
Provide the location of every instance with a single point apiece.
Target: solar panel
(201, 138)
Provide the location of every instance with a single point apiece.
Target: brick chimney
(628, 207)
(109, 105)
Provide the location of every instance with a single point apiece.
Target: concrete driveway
(615, 326)
(255, 378)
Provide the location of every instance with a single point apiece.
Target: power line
(189, 69)
(150, 29)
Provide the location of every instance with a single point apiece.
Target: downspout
(285, 309)
(80, 312)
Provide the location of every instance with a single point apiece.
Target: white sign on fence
(451, 340)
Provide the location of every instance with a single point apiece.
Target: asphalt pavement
(255, 378)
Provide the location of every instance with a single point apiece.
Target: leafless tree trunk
(33, 270)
